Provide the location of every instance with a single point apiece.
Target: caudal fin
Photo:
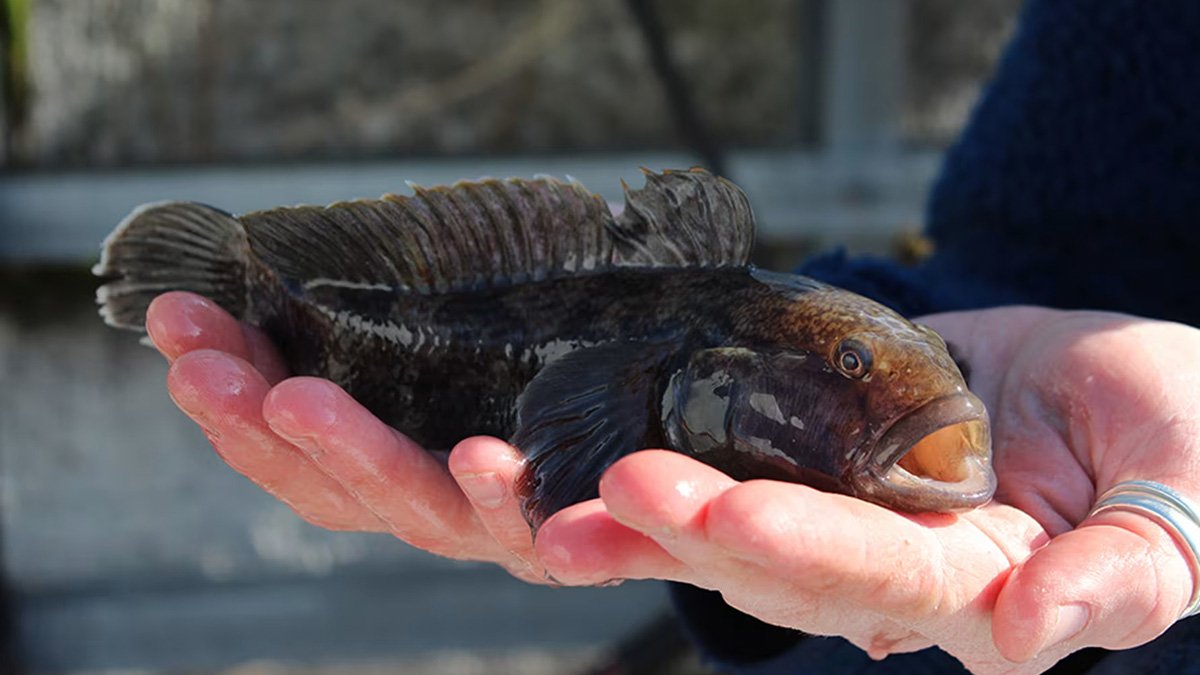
(171, 246)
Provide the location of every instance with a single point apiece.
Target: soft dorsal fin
(467, 235)
(498, 232)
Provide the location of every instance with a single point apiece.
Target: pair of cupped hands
(1078, 400)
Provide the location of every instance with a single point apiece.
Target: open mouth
(945, 455)
(936, 458)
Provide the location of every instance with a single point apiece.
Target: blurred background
(127, 546)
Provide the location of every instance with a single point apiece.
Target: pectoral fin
(582, 413)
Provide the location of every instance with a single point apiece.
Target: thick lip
(936, 458)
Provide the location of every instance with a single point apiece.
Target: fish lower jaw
(904, 490)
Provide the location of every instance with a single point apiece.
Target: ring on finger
(1171, 510)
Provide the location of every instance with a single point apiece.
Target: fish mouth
(936, 458)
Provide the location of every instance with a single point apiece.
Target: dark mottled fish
(523, 309)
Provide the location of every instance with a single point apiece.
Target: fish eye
(853, 358)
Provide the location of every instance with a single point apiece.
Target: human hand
(1071, 403)
(306, 442)
(1079, 401)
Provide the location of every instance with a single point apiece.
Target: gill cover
(765, 415)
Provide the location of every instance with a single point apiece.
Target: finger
(820, 543)
(1117, 581)
(179, 322)
(666, 497)
(224, 395)
(660, 492)
(397, 480)
(832, 553)
(582, 545)
(486, 469)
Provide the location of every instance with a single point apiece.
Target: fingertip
(744, 517)
(303, 406)
(659, 490)
(484, 454)
(583, 545)
(486, 469)
(566, 541)
(1033, 618)
(208, 378)
(179, 322)
(1020, 624)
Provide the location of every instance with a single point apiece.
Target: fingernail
(485, 489)
(1072, 618)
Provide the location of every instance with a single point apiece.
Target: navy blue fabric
(1076, 184)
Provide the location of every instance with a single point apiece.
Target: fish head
(838, 392)
(927, 439)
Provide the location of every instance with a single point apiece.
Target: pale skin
(1079, 401)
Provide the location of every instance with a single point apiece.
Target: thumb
(1117, 581)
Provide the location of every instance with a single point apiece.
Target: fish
(525, 309)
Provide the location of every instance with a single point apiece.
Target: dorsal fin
(444, 238)
(497, 232)
(684, 219)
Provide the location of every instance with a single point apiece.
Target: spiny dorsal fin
(684, 219)
(498, 232)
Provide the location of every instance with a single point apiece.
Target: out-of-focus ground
(126, 546)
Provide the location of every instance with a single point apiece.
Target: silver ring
(1170, 510)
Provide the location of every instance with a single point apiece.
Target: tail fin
(171, 246)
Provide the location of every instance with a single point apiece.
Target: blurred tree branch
(14, 67)
(686, 115)
(551, 23)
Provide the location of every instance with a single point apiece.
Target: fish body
(524, 310)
